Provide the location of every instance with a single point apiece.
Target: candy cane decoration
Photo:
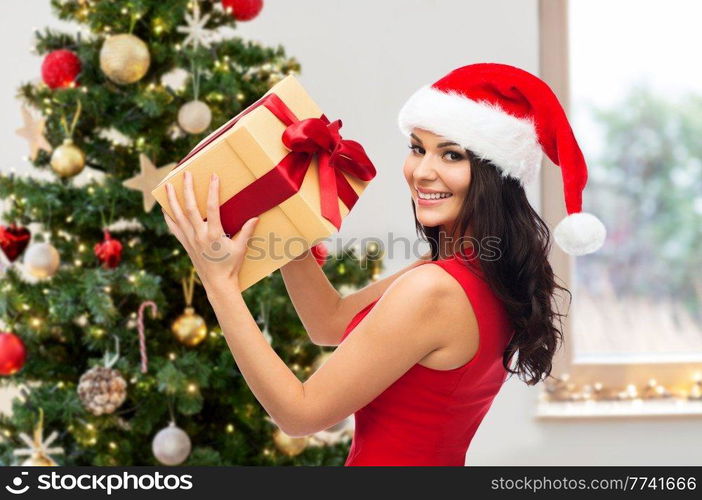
(140, 328)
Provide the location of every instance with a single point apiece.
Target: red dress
(429, 416)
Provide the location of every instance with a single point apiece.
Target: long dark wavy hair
(496, 209)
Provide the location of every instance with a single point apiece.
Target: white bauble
(41, 260)
(194, 117)
(171, 445)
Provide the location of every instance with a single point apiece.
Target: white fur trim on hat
(580, 233)
(509, 142)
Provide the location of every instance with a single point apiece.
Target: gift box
(283, 160)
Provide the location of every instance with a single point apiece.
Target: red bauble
(320, 253)
(12, 353)
(60, 68)
(13, 240)
(109, 251)
(243, 10)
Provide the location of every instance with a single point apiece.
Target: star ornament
(195, 28)
(33, 131)
(148, 179)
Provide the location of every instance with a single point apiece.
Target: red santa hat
(510, 117)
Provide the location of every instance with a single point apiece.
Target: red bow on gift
(335, 156)
(305, 138)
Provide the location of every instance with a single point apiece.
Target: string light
(192, 388)
(562, 389)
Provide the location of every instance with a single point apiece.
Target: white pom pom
(580, 233)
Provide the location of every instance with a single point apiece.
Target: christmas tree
(103, 323)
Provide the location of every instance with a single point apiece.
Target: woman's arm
(323, 312)
(412, 319)
(418, 314)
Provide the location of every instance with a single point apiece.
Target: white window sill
(629, 408)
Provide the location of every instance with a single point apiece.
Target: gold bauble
(189, 328)
(39, 459)
(291, 446)
(124, 58)
(194, 117)
(67, 160)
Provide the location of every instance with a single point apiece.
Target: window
(634, 101)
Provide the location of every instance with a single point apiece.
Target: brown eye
(415, 147)
(456, 156)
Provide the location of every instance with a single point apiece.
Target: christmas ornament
(38, 448)
(42, 260)
(189, 328)
(147, 179)
(291, 446)
(33, 132)
(171, 445)
(140, 329)
(60, 68)
(102, 389)
(13, 240)
(195, 29)
(243, 10)
(320, 253)
(67, 160)
(194, 117)
(124, 58)
(510, 117)
(13, 353)
(108, 251)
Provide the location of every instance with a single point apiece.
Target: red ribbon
(305, 138)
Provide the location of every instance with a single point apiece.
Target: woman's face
(436, 165)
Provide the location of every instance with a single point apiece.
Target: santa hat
(510, 117)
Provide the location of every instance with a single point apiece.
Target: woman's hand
(217, 258)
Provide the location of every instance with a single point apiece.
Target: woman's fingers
(179, 218)
(191, 210)
(175, 229)
(246, 232)
(214, 224)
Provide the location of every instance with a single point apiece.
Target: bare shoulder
(433, 281)
(448, 317)
(438, 294)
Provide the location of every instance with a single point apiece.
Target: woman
(431, 344)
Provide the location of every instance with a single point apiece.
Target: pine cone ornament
(102, 390)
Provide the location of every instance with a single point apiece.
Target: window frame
(554, 66)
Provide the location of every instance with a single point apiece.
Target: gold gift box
(245, 152)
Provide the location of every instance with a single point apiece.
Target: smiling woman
(433, 344)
